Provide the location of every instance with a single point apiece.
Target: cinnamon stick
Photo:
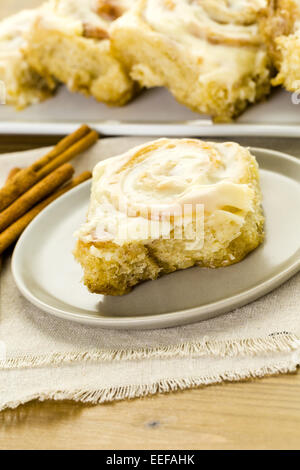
(63, 152)
(62, 145)
(36, 194)
(79, 147)
(12, 233)
(11, 174)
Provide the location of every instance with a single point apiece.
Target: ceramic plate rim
(162, 320)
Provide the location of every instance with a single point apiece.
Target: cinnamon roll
(21, 85)
(70, 41)
(169, 205)
(281, 29)
(209, 53)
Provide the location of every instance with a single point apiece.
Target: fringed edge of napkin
(275, 342)
(106, 395)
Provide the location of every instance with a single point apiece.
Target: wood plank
(263, 414)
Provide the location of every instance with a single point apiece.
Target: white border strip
(189, 128)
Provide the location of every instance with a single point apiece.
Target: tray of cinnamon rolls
(152, 67)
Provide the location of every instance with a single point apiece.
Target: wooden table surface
(262, 414)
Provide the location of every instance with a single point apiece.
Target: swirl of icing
(168, 173)
(243, 12)
(216, 22)
(90, 18)
(161, 178)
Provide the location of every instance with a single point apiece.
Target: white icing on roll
(73, 16)
(221, 35)
(13, 30)
(189, 20)
(151, 182)
(233, 11)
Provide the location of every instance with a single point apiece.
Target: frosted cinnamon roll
(209, 53)
(21, 85)
(168, 205)
(281, 29)
(70, 41)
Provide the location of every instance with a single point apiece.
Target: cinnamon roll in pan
(23, 85)
(281, 30)
(169, 205)
(210, 54)
(70, 42)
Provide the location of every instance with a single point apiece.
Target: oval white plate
(48, 276)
